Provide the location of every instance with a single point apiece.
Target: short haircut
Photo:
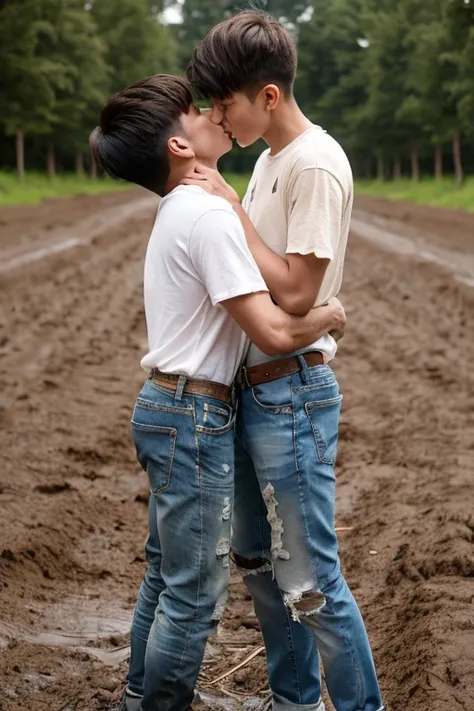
(244, 53)
(131, 141)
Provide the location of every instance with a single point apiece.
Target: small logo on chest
(275, 186)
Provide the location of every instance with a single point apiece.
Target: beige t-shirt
(300, 201)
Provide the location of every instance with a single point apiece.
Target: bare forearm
(276, 332)
(296, 332)
(295, 281)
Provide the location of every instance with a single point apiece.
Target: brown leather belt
(275, 369)
(208, 388)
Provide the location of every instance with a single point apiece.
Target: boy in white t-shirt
(296, 216)
(204, 298)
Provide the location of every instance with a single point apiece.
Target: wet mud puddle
(79, 622)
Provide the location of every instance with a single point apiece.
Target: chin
(226, 149)
(246, 142)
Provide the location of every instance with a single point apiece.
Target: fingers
(200, 183)
(337, 334)
(197, 180)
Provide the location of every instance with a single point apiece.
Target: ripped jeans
(185, 443)
(285, 543)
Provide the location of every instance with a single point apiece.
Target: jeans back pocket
(155, 447)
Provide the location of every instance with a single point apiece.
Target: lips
(227, 132)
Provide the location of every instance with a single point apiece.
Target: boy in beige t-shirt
(300, 203)
(296, 216)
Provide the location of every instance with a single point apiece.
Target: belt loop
(180, 387)
(304, 370)
(242, 378)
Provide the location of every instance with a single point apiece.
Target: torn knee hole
(311, 602)
(247, 563)
(305, 604)
(251, 566)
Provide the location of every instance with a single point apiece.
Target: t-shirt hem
(317, 251)
(188, 373)
(329, 350)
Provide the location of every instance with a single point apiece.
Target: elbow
(297, 304)
(275, 342)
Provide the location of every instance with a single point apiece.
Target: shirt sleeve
(221, 257)
(316, 208)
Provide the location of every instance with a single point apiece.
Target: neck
(208, 162)
(287, 123)
(185, 168)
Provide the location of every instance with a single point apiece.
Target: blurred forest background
(392, 80)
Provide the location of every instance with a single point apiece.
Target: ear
(180, 147)
(271, 95)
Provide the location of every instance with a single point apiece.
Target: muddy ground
(73, 500)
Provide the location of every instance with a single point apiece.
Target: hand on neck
(185, 168)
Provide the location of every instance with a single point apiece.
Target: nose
(215, 115)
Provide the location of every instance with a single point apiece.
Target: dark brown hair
(244, 53)
(135, 125)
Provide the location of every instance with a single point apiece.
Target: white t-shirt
(300, 201)
(197, 257)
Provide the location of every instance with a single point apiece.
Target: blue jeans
(185, 443)
(284, 541)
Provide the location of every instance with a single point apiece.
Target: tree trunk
(93, 167)
(20, 156)
(438, 159)
(380, 169)
(458, 170)
(51, 161)
(397, 168)
(415, 165)
(79, 165)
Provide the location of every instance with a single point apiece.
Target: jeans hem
(132, 693)
(285, 705)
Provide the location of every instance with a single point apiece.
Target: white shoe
(129, 702)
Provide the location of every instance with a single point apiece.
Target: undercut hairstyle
(131, 141)
(244, 53)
